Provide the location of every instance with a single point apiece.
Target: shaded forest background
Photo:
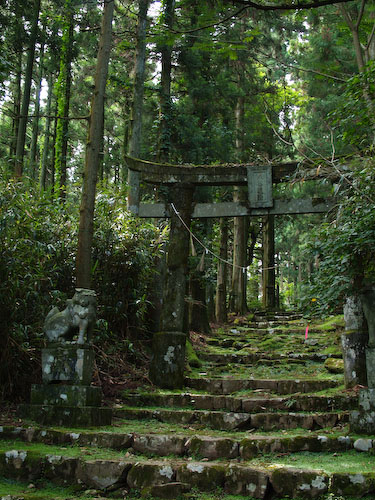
(188, 82)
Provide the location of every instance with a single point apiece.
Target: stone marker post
(168, 349)
(354, 341)
(66, 396)
(364, 419)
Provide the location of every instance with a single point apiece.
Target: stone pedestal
(66, 397)
(168, 360)
(363, 420)
(69, 364)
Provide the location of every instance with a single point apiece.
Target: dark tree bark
(44, 162)
(93, 152)
(222, 271)
(165, 87)
(135, 130)
(21, 137)
(35, 133)
(63, 100)
(269, 262)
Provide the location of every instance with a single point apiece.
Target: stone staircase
(260, 418)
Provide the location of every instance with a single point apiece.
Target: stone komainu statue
(78, 318)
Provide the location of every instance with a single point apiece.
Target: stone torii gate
(167, 364)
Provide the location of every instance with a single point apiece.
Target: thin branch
(212, 25)
(53, 117)
(347, 17)
(370, 37)
(360, 14)
(298, 6)
(337, 78)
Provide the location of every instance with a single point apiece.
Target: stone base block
(168, 360)
(353, 350)
(363, 420)
(65, 395)
(370, 366)
(65, 416)
(71, 364)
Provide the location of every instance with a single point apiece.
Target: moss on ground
(348, 462)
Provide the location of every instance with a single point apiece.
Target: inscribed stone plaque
(259, 183)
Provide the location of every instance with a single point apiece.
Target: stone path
(261, 418)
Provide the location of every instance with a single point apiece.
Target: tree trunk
(21, 137)
(16, 104)
(269, 262)
(135, 128)
(93, 153)
(221, 283)
(165, 88)
(238, 303)
(63, 100)
(44, 162)
(34, 139)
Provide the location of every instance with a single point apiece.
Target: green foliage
(38, 239)
(345, 244)
(354, 116)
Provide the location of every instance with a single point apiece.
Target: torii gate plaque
(167, 363)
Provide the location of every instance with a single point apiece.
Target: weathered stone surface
(102, 474)
(353, 348)
(363, 444)
(225, 421)
(20, 464)
(334, 365)
(259, 405)
(270, 421)
(362, 422)
(170, 490)
(70, 364)
(370, 366)
(246, 481)
(168, 359)
(213, 447)
(145, 475)
(298, 483)
(232, 385)
(326, 420)
(87, 416)
(204, 476)
(159, 444)
(357, 485)
(112, 440)
(353, 314)
(367, 298)
(60, 469)
(65, 395)
(367, 399)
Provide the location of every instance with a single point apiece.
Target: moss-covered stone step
(180, 444)
(229, 421)
(170, 478)
(243, 404)
(254, 357)
(281, 386)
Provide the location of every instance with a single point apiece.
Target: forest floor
(264, 414)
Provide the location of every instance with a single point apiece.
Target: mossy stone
(334, 365)
(168, 360)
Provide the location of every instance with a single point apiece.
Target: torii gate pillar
(168, 358)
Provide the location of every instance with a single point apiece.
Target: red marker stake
(307, 332)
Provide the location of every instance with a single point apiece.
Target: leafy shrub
(38, 238)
